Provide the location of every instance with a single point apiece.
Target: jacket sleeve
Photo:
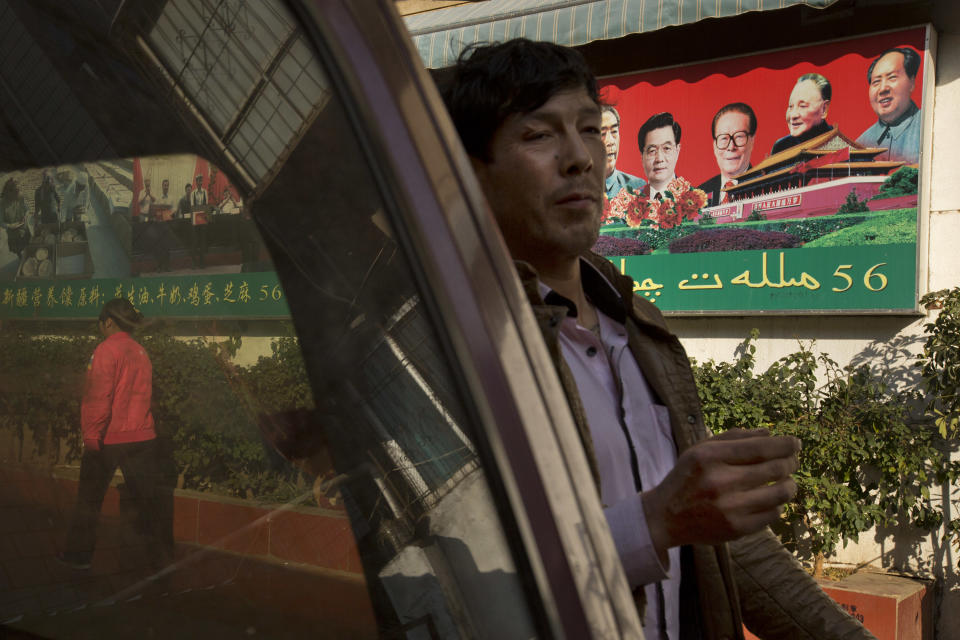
(779, 599)
(95, 409)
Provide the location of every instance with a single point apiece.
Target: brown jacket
(754, 579)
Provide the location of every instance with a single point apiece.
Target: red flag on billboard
(841, 155)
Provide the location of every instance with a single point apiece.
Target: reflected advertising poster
(170, 233)
(785, 181)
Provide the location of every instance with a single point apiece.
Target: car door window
(352, 504)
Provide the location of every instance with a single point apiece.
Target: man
(806, 111)
(154, 237)
(734, 130)
(659, 140)
(197, 231)
(185, 205)
(671, 495)
(610, 136)
(46, 201)
(146, 201)
(890, 81)
(199, 197)
(165, 199)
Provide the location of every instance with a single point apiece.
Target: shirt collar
(906, 115)
(598, 289)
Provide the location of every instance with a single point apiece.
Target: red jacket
(116, 399)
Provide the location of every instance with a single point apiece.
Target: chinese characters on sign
(170, 233)
(255, 294)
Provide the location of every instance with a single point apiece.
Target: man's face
(187, 189)
(165, 185)
(806, 108)
(660, 153)
(890, 87)
(545, 177)
(733, 160)
(610, 135)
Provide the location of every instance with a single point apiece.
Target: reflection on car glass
(318, 457)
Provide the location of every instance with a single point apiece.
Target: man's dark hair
(737, 107)
(658, 121)
(123, 314)
(491, 82)
(911, 62)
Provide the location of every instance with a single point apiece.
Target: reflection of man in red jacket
(118, 431)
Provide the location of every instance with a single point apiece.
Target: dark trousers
(197, 236)
(144, 480)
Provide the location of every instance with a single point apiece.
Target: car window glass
(256, 504)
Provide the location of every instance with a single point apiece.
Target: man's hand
(721, 489)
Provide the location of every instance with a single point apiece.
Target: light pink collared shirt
(601, 367)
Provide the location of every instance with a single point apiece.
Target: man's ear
(826, 108)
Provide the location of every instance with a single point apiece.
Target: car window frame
(528, 442)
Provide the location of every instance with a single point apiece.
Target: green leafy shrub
(940, 361)
(894, 227)
(903, 182)
(807, 229)
(853, 204)
(206, 407)
(653, 236)
(865, 460)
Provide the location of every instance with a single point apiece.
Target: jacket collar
(608, 289)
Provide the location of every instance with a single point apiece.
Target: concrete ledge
(305, 535)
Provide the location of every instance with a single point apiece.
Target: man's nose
(576, 155)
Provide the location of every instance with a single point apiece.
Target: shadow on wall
(893, 359)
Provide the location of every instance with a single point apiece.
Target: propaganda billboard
(170, 233)
(778, 182)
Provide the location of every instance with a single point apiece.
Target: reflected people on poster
(610, 136)
(13, 216)
(78, 199)
(891, 78)
(807, 110)
(137, 217)
(199, 195)
(734, 131)
(146, 199)
(659, 141)
(165, 199)
(185, 205)
(46, 201)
